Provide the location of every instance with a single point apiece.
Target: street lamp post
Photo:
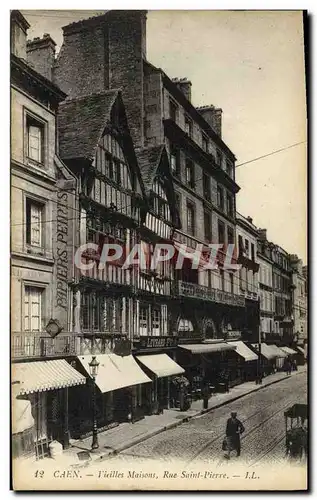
(93, 369)
(260, 360)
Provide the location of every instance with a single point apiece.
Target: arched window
(185, 325)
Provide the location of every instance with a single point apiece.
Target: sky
(250, 64)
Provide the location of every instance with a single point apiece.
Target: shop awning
(161, 365)
(115, 372)
(244, 351)
(300, 349)
(39, 376)
(288, 350)
(278, 351)
(266, 352)
(208, 348)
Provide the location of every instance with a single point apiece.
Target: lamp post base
(95, 444)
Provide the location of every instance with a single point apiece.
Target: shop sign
(233, 334)
(157, 342)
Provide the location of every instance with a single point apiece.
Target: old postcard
(159, 334)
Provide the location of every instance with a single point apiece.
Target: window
(231, 283)
(113, 170)
(178, 202)
(35, 139)
(220, 198)
(190, 173)
(219, 158)
(229, 168)
(204, 143)
(208, 227)
(156, 315)
(246, 246)
(185, 325)
(230, 205)
(143, 320)
(222, 279)
(221, 232)
(173, 110)
(252, 252)
(206, 186)
(34, 219)
(33, 308)
(175, 161)
(240, 243)
(190, 219)
(188, 126)
(230, 235)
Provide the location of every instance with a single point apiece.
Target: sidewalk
(126, 434)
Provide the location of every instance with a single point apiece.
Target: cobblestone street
(200, 439)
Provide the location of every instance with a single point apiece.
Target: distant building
(300, 302)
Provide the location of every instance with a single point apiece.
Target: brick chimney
(185, 86)
(213, 117)
(41, 55)
(19, 27)
(262, 234)
(106, 52)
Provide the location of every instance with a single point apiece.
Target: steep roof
(81, 122)
(149, 160)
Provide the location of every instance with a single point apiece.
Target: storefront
(208, 364)
(161, 368)
(246, 363)
(156, 356)
(268, 358)
(118, 382)
(44, 384)
(280, 356)
(300, 357)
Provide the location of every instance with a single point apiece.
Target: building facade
(299, 281)
(249, 282)
(43, 195)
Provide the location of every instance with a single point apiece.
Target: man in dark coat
(233, 430)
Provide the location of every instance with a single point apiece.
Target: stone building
(248, 258)
(300, 304)
(107, 53)
(42, 235)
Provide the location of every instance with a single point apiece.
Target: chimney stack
(262, 234)
(41, 55)
(213, 117)
(184, 86)
(19, 27)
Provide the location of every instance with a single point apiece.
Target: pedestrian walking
(234, 429)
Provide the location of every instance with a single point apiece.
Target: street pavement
(199, 440)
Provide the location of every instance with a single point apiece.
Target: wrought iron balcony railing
(196, 291)
(35, 345)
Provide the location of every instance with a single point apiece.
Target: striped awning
(243, 350)
(208, 348)
(116, 372)
(288, 350)
(161, 365)
(39, 376)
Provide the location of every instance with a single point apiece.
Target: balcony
(201, 292)
(35, 345)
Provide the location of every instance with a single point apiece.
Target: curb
(172, 425)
